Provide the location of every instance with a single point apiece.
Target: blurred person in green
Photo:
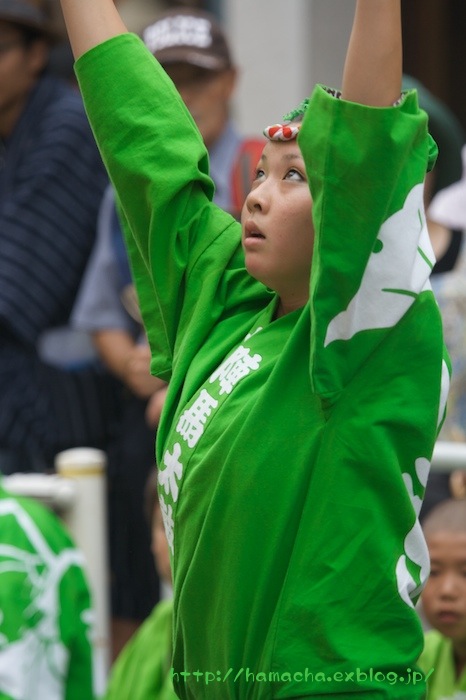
(142, 671)
(46, 615)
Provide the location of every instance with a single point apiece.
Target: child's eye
(294, 174)
(259, 174)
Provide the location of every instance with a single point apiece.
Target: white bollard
(449, 456)
(87, 522)
(51, 490)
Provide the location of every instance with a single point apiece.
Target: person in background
(51, 184)
(47, 618)
(447, 212)
(446, 231)
(138, 14)
(143, 668)
(194, 50)
(444, 601)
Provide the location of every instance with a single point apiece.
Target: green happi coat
(437, 661)
(142, 670)
(46, 617)
(293, 453)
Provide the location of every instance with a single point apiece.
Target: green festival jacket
(46, 616)
(293, 453)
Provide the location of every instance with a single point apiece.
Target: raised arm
(373, 67)
(90, 22)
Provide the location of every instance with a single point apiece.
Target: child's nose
(258, 197)
(449, 586)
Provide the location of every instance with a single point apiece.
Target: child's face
(278, 235)
(444, 596)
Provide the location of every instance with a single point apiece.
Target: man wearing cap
(193, 49)
(51, 185)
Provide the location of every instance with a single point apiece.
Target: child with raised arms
(304, 354)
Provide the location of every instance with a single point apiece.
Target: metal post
(449, 456)
(87, 521)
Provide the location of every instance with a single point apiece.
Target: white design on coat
(250, 335)
(174, 470)
(235, 367)
(416, 552)
(35, 665)
(398, 270)
(192, 420)
(168, 523)
(444, 389)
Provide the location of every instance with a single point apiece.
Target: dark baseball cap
(188, 36)
(29, 14)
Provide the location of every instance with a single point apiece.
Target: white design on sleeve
(412, 568)
(444, 389)
(398, 270)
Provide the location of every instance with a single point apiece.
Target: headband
(289, 129)
(281, 132)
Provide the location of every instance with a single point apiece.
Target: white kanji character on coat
(192, 421)
(235, 367)
(168, 523)
(169, 477)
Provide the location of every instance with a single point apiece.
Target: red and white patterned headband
(282, 132)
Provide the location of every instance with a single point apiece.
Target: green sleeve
(180, 244)
(372, 255)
